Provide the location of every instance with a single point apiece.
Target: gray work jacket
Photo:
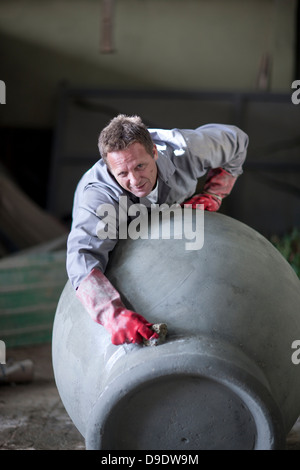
(184, 155)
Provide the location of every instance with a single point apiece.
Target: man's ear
(155, 153)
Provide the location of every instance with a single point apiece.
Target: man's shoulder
(98, 173)
(98, 180)
(168, 137)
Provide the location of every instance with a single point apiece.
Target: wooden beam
(107, 46)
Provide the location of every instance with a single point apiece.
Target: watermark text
(2, 92)
(296, 354)
(296, 93)
(2, 352)
(157, 222)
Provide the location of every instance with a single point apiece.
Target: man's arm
(216, 146)
(221, 151)
(85, 249)
(103, 303)
(87, 257)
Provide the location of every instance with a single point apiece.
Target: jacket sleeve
(88, 244)
(214, 146)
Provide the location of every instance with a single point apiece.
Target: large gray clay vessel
(223, 379)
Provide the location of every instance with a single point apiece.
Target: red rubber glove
(209, 202)
(103, 303)
(218, 185)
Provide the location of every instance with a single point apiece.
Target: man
(146, 166)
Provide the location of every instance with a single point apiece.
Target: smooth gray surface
(232, 310)
(34, 418)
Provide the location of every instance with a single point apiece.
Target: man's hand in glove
(218, 185)
(209, 202)
(103, 303)
(129, 327)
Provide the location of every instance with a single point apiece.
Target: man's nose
(134, 179)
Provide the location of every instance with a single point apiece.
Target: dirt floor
(33, 416)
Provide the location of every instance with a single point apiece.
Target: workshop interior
(67, 68)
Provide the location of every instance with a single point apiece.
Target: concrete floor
(33, 416)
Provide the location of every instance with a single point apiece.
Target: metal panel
(266, 197)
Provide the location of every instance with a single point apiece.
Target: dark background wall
(236, 47)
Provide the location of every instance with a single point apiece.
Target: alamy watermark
(2, 352)
(156, 222)
(296, 94)
(2, 92)
(296, 354)
(296, 344)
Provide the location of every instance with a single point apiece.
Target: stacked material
(32, 267)
(23, 223)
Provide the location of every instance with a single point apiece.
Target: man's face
(134, 169)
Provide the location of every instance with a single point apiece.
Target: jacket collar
(166, 169)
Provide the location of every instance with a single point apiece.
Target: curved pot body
(223, 379)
